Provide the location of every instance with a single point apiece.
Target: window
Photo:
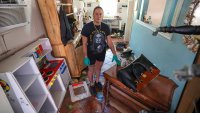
(168, 14)
(12, 15)
(8, 1)
(155, 12)
(109, 7)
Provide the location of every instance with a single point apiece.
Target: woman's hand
(116, 60)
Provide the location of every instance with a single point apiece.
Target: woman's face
(98, 15)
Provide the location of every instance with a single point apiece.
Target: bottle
(87, 80)
(94, 77)
(101, 79)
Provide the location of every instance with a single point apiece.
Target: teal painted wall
(167, 55)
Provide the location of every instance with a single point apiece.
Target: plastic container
(99, 96)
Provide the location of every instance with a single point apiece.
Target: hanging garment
(65, 29)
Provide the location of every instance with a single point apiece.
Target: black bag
(131, 74)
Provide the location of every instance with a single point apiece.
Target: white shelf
(62, 4)
(37, 100)
(12, 5)
(48, 111)
(12, 64)
(65, 79)
(5, 30)
(44, 53)
(76, 38)
(58, 91)
(5, 106)
(51, 112)
(27, 51)
(48, 107)
(28, 88)
(25, 81)
(69, 14)
(58, 97)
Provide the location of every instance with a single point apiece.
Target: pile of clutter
(80, 88)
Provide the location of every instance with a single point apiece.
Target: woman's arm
(110, 44)
(84, 41)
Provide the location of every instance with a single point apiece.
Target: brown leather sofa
(156, 96)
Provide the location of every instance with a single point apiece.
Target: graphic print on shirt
(98, 41)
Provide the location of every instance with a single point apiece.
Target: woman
(95, 37)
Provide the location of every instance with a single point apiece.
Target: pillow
(138, 74)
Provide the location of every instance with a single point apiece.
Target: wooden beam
(51, 21)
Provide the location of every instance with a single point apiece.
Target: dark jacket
(66, 33)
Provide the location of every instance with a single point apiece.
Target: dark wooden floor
(87, 105)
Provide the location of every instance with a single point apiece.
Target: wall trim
(165, 35)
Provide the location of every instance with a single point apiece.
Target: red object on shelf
(50, 72)
(40, 47)
(38, 51)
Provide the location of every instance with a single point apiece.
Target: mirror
(156, 13)
(192, 18)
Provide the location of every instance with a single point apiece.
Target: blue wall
(167, 55)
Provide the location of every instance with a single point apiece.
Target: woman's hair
(97, 7)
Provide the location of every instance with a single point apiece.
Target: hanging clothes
(65, 29)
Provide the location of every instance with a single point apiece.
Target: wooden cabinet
(75, 56)
(35, 81)
(74, 53)
(190, 96)
(80, 58)
(191, 92)
(156, 96)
